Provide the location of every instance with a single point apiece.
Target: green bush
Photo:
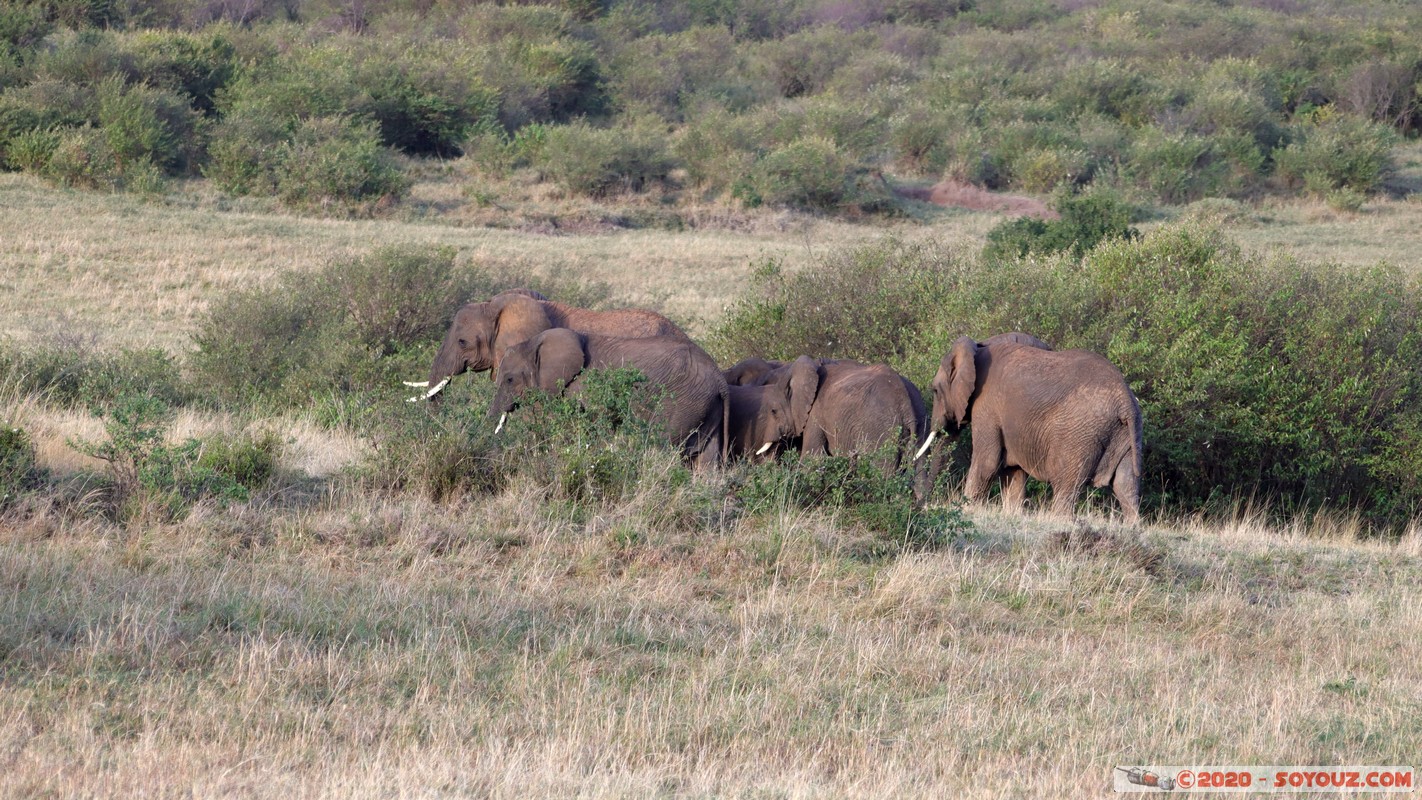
(83, 157)
(86, 377)
(338, 163)
(1341, 153)
(245, 152)
(806, 173)
(1275, 379)
(151, 479)
(19, 470)
(356, 326)
(860, 491)
(1085, 220)
(595, 161)
(142, 124)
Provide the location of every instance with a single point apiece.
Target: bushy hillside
(804, 103)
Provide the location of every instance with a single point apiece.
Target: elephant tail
(725, 424)
(1124, 451)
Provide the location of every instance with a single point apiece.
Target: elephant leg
(1126, 485)
(987, 460)
(1064, 496)
(815, 442)
(1014, 490)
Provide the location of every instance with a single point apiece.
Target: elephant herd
(1064, 417)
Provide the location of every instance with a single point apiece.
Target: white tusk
(500, 426)
(926, 443)
(417, 384)
(764, 447)
(435, 389)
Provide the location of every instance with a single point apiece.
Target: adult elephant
(693, 407)
(482, 332)
(841, 407)
(1064, 417)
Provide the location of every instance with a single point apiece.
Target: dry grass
(331, 642)
(337, 651)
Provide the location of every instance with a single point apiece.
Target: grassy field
(327, 640)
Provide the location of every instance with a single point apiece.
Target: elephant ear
(558, 357)
(804, 380)
(962, 368)
(517, 318)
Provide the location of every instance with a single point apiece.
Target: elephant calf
(1064, 417)
(693, 411)
(832, 406)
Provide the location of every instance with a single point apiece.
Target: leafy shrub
(150, 478)
(594, 161)
(865, 303)
(77, 375)
(1272, 378)
(590, 448)
(860, 490)
(1085, 220)
(245, 152)
(442, 451)
(808, 173)
(19, 471)
(83, 157)
(32, 150)
(196, 65)
(1340, 153)
(338, 163)
(350, 327)
(145, 124)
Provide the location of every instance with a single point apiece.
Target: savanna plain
(334, 637)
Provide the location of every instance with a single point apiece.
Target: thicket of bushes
(786, 102)
(1281, 380)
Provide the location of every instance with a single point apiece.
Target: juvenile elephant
(1064, 417)
(482, 332)
(840, 407)
(755, 430)
(692, 411)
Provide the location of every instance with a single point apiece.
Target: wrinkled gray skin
(840, 407)
(481, 332)
(751, 371)
(754, 423)
(693, 411)
(1065, 417)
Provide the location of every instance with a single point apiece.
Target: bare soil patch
(957, 194)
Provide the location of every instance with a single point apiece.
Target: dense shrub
(594, 161)
(19, 471)
(1085, 221)
(152, 479)
(863, 494)
(78, 374)
(1270, 378)
(355, 326)
(338, 163)
(1340, 153)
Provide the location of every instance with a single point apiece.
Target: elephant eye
(463, 343)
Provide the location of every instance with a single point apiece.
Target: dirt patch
(965, 195)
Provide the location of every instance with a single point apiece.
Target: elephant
(482, 332)
(842, 407)
(755, 432)
(693, 412)
(1064, 417)
(750, 371)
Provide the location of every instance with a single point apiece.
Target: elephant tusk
(434, 390)
(500, 426)
(926, 443)
(764, 447)
(417, 384)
